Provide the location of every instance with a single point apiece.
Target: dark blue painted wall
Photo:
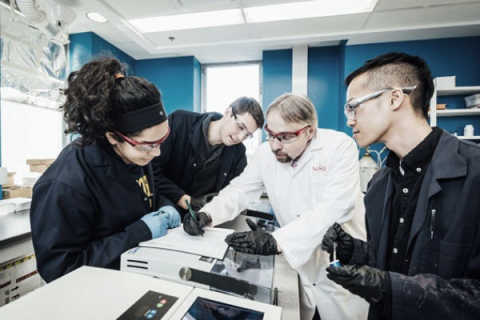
(88, 45)
(177, 78)
(276, 74)
(324, 72)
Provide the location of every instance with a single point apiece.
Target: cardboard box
(17, 192)
(40, 161)
(38, 167)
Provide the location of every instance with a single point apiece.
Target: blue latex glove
(157, 222)
(173, 216)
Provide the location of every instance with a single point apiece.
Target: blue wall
(324, 73)
(87, 45)
(177, 78)
(276, 74)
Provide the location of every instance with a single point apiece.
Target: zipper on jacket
(432, 223)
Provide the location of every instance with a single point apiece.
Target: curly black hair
(399, 69)
(98, 94)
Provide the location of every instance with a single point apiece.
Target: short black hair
(397, 69)
(245, 104)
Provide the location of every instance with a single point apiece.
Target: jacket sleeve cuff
(138, 232)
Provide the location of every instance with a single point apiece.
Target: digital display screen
(211, 310)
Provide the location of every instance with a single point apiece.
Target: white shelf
(458, 91)
(434, 113)
(468, 138)
(458, 112)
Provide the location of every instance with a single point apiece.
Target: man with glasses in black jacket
(422, 257)
(204, 152)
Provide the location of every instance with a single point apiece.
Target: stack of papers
(212, 244)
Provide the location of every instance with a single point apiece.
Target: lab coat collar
(316, 143)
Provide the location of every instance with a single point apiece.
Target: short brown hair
(295, 108)
(246, 104)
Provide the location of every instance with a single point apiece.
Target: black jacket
(86, 210)
(176, 167)
(443, 250)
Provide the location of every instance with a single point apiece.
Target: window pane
(29, 132)
(225, 83)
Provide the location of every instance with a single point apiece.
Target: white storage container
(445, 82)
(473, 101)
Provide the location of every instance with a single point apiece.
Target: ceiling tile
(306, 27)
(199, 36)
(425, 16)
(384, 5)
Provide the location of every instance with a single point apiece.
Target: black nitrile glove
(256, 241)
(197, 203)
(369, 283)
(195, 228)
(344, 242)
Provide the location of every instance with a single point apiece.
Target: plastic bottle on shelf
(468, 130)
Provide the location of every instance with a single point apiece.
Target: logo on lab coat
(320, 168)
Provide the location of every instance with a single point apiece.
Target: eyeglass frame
(349, 110)
(275, 135)
(147, 146)
(247, 135)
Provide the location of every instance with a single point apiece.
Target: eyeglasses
(284, 137)
(242, 127)
(144, 146)
(350, 107)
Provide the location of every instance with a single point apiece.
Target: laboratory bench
(15, 243)
(14, 227)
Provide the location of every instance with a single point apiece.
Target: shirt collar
(419, 157)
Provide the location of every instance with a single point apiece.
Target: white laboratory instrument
(96, 293)
(237, 274)
(368, 167)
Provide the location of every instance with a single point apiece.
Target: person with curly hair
(97, 199)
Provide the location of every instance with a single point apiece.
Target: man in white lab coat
(312, 180)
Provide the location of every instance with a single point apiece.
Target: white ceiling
(391, 20)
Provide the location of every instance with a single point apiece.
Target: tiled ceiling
(391, 20)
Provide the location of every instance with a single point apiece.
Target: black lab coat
(86, 210)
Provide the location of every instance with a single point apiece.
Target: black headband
(141, 119)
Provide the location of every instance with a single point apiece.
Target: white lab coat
(324, 188)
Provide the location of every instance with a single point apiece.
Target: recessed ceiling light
(307, 9)
(189, 21)
(97, 17)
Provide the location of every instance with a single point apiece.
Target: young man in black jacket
(204, 152)
(422, 257)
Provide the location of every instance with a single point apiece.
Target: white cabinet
(463, 91)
